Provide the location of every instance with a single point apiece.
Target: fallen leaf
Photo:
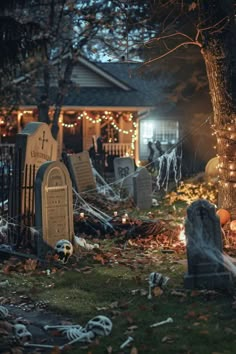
(191, 314)
(99, 258)
(203, 317)
(30, 264)
(157, 291)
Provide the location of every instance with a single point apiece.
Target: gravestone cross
(206, 268)
(43, 139)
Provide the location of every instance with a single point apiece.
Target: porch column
(60, 136)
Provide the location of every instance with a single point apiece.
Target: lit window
(165, 131)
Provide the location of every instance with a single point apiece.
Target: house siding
(84, 77)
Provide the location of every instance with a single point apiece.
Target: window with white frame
(165, 131)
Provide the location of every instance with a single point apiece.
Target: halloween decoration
(22, 334)
(78, 335)
(3, 312)
(224, 216)
(100, 325)
(129, 340)
(156, 279)
(64, 250)
(169, 320)
(212, 169)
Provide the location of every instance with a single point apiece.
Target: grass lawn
(113, 281)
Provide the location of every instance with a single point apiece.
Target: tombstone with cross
(34, 145)
(204, 248)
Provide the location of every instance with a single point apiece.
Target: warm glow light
(181, 236)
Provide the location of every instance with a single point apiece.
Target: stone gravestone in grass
(206, 268)
(54, 205)
(124, 168)
(35, 145)
(81, 171)
(142, 183)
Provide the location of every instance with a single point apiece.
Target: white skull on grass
(22, 334)
(99, 325)
(64, 250)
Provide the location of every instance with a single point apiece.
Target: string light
(106, 115)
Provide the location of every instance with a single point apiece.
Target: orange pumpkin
(232, 225)
(224, 216)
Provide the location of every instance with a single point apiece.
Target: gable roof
(114, 85)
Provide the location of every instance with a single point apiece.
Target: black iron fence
(17, 198)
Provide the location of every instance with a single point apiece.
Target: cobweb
(169, 167)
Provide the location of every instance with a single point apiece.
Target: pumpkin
(211, 169)
(224, 216)
(232, 225)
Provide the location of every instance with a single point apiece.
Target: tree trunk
(63, 88)
(219, 55)
(44, 105)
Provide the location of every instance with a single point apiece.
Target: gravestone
(81, 172)
(54, 205)
(35, 145)
(142, 182)
(204, 248)
(124, 168)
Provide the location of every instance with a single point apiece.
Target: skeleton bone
(169, 320)
(149, 292)
(39, 345)
(129, 340)
(62, 327)
(88, 336)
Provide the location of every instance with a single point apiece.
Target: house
(116, 100)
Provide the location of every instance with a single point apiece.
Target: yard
(112, 280)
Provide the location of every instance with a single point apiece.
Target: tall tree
(210, 26)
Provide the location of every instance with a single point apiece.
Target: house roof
(113, 85)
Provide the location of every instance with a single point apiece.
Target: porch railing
(119, 149)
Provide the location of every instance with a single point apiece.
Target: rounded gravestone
(211, 169)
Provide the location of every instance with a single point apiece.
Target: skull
(99, 325)
(154, 202)
(64, 250)
(22, 334)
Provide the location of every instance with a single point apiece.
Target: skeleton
(156, 279)
(21, 333)
(169, 320)
(129, 340)
(3, 312)
(64, 249)
(100, 325)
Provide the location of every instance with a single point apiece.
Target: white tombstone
(124, 168)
